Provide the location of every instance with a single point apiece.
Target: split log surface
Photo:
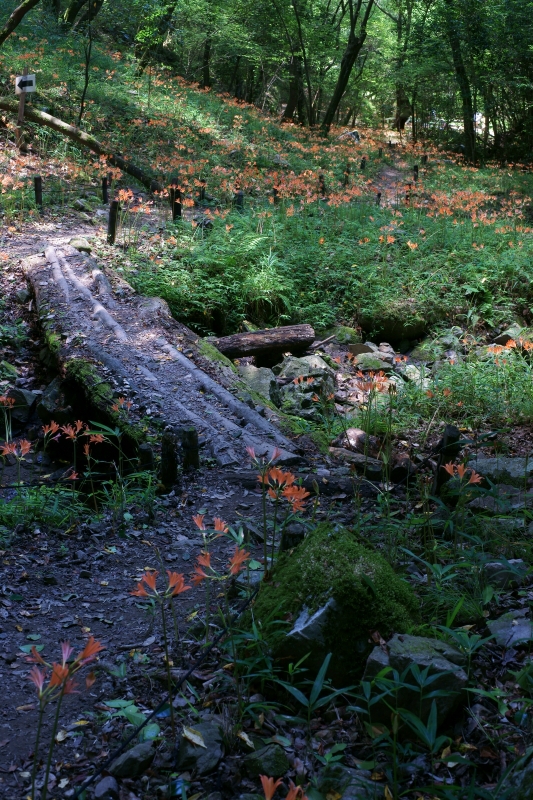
(274, 341)
(127, 353)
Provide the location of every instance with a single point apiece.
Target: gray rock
(512, 332)
(202, 760)
(520, 782)
(23, 295)
(346, 335)
(24, 404)
(80, 243)
(358, 349)
(309, 629)
(404, 651)
(363, 464)
(106, 789)
(502, 498)
(262, 381)
(134, 762)
(270, 760)
(80, 205)
(352, 784)
(504, 469)
(511, 628)
(372, 362)
(317, 378)
(292, 367)
(51, 405)
(502, 574)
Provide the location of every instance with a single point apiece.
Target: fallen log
(85, 139)
(274, 341)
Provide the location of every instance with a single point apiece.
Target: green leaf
(117, 703)
(319, 681)
(33, 637)
(26, 648)
(150, 732)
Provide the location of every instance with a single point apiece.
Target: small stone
(81, 244)
(84, 573)
(49, 580)
(359, 349)
(24, 404)
(202, 760)
(511, 628)
(107, 789)
(134, 762)
(23, 295)
(270, 760)
(262, 381)
(80, 205)
(502, 574)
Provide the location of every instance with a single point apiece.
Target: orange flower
(7, 401)
(461, 470)
(9, 448)
(86, 450)
(89, 651)
(220, 525)
(140, 591)
(429, 393)
(446, 392)
(237, 560)
(412, 245)
(510, 344)
(449, 469)
(295, 792)
(475, 478)
(204, 559)
(90, 679)
(269, 786)
(59, 674)
(176, 582)
(96, 438)
(52, 428)
(198, 520)
(69, 431)
(37, 677)
(296, 496)
(198, 576)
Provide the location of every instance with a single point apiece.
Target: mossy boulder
(394, 320)
(346, 335)
(335, 592)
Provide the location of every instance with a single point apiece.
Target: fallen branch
(273, 341)
(82, 138)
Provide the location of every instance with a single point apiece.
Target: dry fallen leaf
(28, 707)
(194, 736)
(246, 739)
(61, 736)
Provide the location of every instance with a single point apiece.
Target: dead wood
(85, 139)
(273, 341)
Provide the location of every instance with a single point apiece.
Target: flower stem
(52, 744)
(36, 749)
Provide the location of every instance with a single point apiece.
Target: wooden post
(415, 172)
(347, 171)
(19, 133)
(201, 195)
(38, 184)
(275, 195)
(175, 202)
(424, 159)
(112, 223)
(238, 200)
(168, 469)
(380, 152)
(322, 185)
(105, 191)
(189, 444)
(363, 164)
(378, 198)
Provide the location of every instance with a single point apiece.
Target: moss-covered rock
(207, 350)
(335, 591)
(346, 335)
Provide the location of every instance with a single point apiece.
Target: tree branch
(16, 17)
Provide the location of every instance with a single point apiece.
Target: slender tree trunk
(206, 76)
(90, 14)
(72, 11)
(463, 83)
(15, 18)
(353, 48)
(143, 51)
(235, 74)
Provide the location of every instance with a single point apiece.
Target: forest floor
(442, 269)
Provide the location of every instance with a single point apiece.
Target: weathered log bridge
(111, 340)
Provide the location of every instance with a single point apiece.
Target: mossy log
(85, 140)
(273, 341)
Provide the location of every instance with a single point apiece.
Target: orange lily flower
(198, 520)
(449, 469)
(269, 786)
(237, 560)
(90, 650)
(475, 478)
(220, 525)
(176, 582)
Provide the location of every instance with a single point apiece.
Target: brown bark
(291, 338)
(85, 139)
(462, 81)
(15, 18)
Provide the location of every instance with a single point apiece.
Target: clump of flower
(60, 677)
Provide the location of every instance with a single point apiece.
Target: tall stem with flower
(6, 404)
(147, 589)
(60, 682)
(461, 472)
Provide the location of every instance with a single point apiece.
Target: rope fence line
(168, 699)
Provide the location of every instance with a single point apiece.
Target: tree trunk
(463, 83)
(143, 51)
(403, 108)
(15, 18)
(353, 48)
(294, 89)
(274, 341)
(206, 76)
(80, 137)
(72, 11)
(90, 14)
